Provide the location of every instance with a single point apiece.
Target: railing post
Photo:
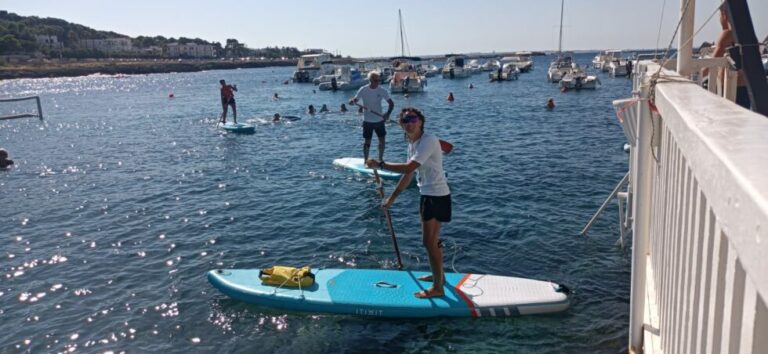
(39, 107)
(642, 172)
(684, 40)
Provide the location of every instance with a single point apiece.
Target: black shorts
(432, 207)
(369, 127)
(742, 97)
(228, 102)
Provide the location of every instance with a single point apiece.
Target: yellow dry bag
(287, 276)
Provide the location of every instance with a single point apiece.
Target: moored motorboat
(311, 66)
(454, 67)
(579, 80)
(348, 79)
(507, 72)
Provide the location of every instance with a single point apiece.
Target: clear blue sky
(368, 28)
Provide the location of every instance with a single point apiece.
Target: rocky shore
(128, 67)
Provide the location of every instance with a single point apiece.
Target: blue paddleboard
(390, 293)
(358, 165)
(239, 128)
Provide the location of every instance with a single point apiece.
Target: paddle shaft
(444, 145)
(380, 188)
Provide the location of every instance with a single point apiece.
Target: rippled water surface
(122, 199)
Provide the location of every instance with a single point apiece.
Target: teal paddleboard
(358, 165)
(390, 293)
(240, 128)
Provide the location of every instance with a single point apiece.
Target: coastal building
(152, 50)
(14, 58)
(51, 42)
(109, 45)
(697, 204)
(176, 50)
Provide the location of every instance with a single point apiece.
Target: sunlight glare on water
(123, 198)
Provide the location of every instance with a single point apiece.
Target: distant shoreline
(128, 67)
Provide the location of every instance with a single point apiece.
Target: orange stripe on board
(464, 296)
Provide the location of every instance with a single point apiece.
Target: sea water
(123, 197)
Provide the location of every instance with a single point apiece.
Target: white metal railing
(725, 88)
(699, 179)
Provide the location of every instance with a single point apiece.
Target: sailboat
(565, 70)
(563, 64)
(405, 76)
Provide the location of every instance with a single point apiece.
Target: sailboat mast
(560, 41)
(402, 43)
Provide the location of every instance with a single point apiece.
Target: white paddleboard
(358, 165)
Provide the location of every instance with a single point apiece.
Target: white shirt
(372, 102)
(430, 176)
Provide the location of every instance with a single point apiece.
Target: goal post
(15, 115)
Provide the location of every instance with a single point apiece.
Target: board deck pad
(390, 293)
(357, 164)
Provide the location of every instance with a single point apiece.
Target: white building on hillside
(48, 41)
(109, 45)
(191, 50)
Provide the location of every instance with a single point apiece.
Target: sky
(368, 28)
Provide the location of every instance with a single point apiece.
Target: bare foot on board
(428, 278)
(430, 293)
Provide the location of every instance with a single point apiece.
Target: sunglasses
(409, 119)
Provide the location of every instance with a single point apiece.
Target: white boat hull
(583, 83)
(342, 85)
(455, 73)
(618, 70)
(401, 87)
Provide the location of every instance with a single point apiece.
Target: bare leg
(381, 148)
(430, 236)
(366, 149)
(234, 113)
(224, 113)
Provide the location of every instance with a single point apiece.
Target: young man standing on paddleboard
(373, 120)
(426, 158)
(228, 99)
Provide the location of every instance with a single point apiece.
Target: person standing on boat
(228, 99)
(372, 95)
(426, 158)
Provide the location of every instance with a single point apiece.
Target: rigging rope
(657, 75)
(661, 20)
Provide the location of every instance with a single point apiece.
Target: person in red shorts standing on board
(228, 99)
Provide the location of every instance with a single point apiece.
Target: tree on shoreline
(18, 36)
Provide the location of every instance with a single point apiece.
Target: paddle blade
(446, 147)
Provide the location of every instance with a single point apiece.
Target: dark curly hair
(413, 110)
